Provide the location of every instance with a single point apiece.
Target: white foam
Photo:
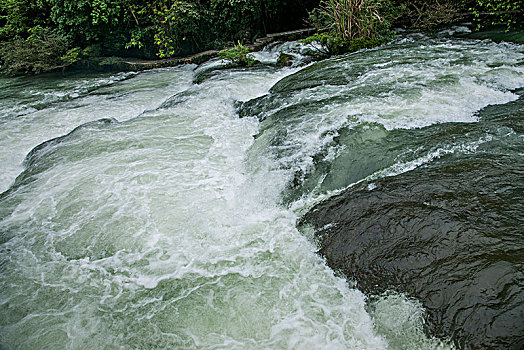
(123, 101)
(157, 234)
(165, 231)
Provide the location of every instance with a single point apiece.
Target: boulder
(449, 234)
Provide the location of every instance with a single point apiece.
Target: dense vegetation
(40, 35)
(78, 29)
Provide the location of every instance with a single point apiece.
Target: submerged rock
(43, 149)
(44, 155)
(449, 234)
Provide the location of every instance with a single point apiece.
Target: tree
(508, 12)
(17, 17)
(175, 24)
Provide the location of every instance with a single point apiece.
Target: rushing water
(151, 216)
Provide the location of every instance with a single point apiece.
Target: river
(146, 211)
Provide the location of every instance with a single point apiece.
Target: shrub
(351, 19)
(42, 51)
(72, 56)
(174, 25)
(349, 25)
(426, 14)
(237, 55)
(141, 28)
(508, 12)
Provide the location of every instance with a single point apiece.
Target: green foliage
(237, 55)
(110, 61)
(171, 27)
(137, 38)
(42, 51)
(235, 19)
(428, 14)
(330, 44)
(350, 19)
(360, 44)
(508, 12)
(89, 21)
(141, 27)
(202, 24)
(349, 25)
(174, 25)
(17, 17)
(77, 54)
(72, 56)
(91, 51)
(284, 60)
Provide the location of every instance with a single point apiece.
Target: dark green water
(160, 213)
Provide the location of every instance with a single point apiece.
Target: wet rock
(42, 149)
(324, 72)
(176, 99)
(284, 60)
(41, 157)
(210, 69)
(449, 235)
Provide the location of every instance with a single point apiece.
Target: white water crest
(412, 83)
(63, 104)
(165, 228)
(149, 233)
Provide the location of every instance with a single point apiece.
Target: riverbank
(118, 64)
(121, 64)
